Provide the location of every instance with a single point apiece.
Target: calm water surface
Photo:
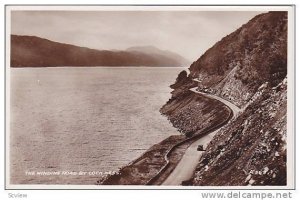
(84, 119)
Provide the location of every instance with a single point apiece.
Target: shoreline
(161, 159)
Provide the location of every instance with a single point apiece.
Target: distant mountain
(32, 51)
(154, 51)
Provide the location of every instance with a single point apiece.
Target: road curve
(235, 109)
(188, 163)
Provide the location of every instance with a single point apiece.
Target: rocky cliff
(251, 150)
(252, 55)
(249, 68)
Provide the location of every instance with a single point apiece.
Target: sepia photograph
(185, 97)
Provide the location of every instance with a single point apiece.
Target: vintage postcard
(151, 97)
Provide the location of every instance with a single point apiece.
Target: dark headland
(32, 51)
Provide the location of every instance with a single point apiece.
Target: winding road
(188, 163)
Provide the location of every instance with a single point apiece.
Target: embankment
(202, 113)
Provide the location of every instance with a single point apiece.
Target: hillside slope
(249, 68)
(252, 149)
(236, 66)
(31, 51)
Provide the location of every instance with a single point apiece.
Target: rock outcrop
(256, 53)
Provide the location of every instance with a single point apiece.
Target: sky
(188, 33)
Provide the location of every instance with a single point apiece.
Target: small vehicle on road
(187, 182)
(200, 148)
